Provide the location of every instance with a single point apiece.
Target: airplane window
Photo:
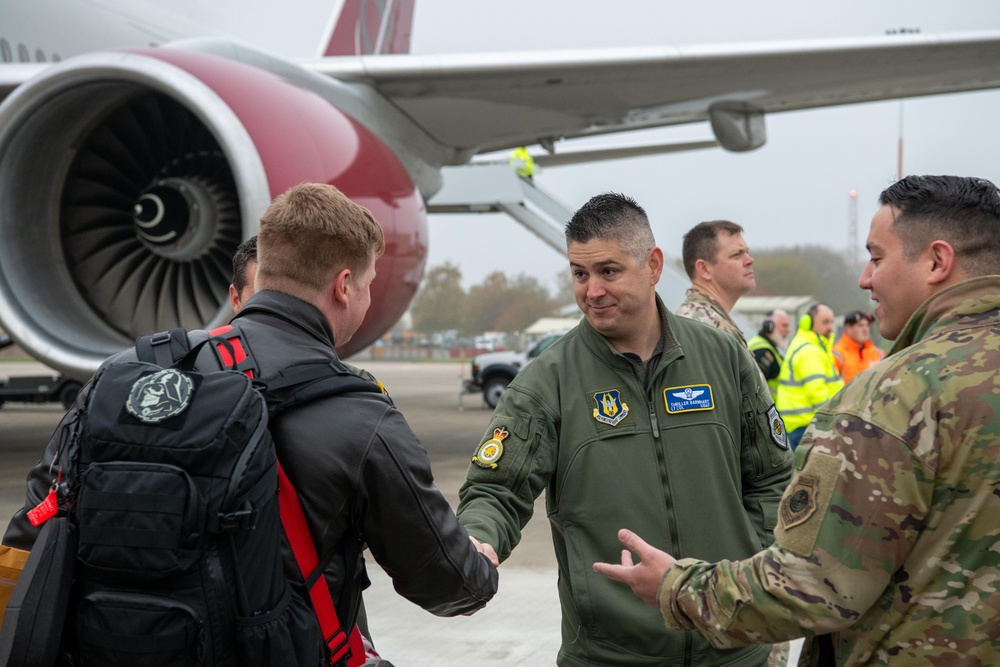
(22, 53)
(39, 56)
(5, 53)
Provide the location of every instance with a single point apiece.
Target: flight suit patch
(610, 407)
(690, 398)
(778, 434)
(490, 451)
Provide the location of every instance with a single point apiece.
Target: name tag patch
(610, 407)
(689, 399)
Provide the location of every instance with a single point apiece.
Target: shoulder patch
(778, 434)
(800, 502)
(690, 398)
(490, 451)
(610, 407)
(806, 502)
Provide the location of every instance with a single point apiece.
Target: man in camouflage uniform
(718, 262)
(886, 550)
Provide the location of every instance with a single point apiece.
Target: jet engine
(128, 178)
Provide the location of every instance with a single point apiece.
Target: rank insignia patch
(610, 408)
(490, 451)
(689, 399)
(778, 434)
(800, 503)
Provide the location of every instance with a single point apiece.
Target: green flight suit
(695, 462)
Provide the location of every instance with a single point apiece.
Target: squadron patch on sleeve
(806, 503)
(688, 399)
(610, 407)
(490, 451)
(799, 502)
(778, 434)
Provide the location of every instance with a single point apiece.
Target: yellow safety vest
(522, 160)
(807, 380)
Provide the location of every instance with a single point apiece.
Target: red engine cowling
(128, 178)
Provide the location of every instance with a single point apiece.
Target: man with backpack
(358, 472)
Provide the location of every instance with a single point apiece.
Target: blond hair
(310, 233)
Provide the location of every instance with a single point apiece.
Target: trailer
(37, 388)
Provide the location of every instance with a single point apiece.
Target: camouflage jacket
(703, 308)
(888, 533)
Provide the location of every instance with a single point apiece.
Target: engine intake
(127, 179)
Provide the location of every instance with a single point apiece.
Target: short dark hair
(964, 211)
(245, 253)
(612, 216)
(702, 242)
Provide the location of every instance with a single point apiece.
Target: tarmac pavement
(520, 626)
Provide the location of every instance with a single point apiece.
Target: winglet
(369, 27)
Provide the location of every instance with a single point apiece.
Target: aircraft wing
(486, 102)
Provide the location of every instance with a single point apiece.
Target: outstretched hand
(486, 550)
(644, 579)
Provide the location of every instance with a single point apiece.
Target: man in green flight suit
(885, 551)
(635, 414)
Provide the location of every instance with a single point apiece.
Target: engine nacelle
(128, 178)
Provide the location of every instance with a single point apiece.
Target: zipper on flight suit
(750, 426)
(671, 525)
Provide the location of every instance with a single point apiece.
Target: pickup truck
(493, 371)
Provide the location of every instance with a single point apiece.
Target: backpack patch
(159, 396)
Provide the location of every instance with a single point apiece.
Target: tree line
(512, 303)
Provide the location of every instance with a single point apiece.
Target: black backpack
(174, 498)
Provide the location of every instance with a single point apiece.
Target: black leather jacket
(362, 477)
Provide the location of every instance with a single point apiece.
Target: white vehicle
(493, 371)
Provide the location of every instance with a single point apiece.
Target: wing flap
(493, 101)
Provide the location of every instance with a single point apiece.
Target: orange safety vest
(851, 359)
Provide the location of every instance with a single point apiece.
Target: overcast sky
(792, 191)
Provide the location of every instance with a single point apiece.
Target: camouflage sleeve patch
(805, 503)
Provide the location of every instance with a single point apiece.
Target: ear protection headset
(810, 314)
(767, 325)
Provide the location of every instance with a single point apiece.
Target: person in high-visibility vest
(808, 377)
(522, 162)
(768, 346)
(855, 351)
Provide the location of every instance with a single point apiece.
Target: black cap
(856, 316)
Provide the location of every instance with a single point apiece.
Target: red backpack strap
(240, 358)
(294, 521)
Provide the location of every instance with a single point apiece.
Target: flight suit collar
(603, 349)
